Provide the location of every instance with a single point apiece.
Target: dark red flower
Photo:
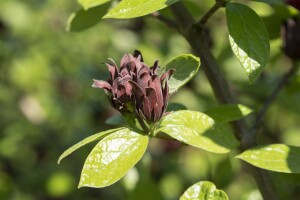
(137, 88)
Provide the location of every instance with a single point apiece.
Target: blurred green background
(47, 104)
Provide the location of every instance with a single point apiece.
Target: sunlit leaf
(136, 8)
(86, 4)
(204, 190)
(112, 157)
(84, 19)
(274, 157)
(199, 130)
(186, 67)
(248, 38)
(227, 113)
(87, 140)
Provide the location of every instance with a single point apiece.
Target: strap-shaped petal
(102, 84)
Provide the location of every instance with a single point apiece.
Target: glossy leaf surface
(85, 141)
(204, 190)
(86, 4)
(248, 38)
(274, 157)
(84, 19)
(227, 113)
(199, 130)
(112, 157)
(186, 67)
(136, 8)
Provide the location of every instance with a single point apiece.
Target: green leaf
(248, 38)
(199, 130)
(176, 107)
(227, 113)
(186, 67)
(274, 157)
(112, 157)
(203, 190)
(86, 4)
(272, 2)
(136, 8)
(84, 19)
(87, 140)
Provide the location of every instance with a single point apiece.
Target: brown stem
(169, 22)
(210, 12)
(283, 82)
(194, 35)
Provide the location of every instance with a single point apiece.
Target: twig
(196, 39)
(169, 22)
(284, 81)
(210, 12)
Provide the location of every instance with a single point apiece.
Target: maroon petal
(125, 59)
(156, 85)
(121, 93)
(137, 54)
(143, 80)
(137, 93)
(154, 110)
(144, 68)
(154, 68)
(167, 74)
(102, 84)
(113, 69)
(124, 81)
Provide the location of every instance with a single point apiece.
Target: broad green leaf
(272, 2)
(186, 67)
(199, 130)
(86, 4)
(136, 8)
(85, 141)
(176, 107)
(84, 19)
(248, 38)
(203, 190)
(227, 113)
(112, 157)
(274, 157)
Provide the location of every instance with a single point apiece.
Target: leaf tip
(59, 159)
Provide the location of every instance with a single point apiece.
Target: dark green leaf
(199, 130)
(272, 2)
(86, 4)
(84, 19)
(87, 140)
(224, 173)
(112, 157)
(274, 157)
(227, 113)
(248, 38)
(136, 8)
(186, 67)
(204, 190)
(176, 107)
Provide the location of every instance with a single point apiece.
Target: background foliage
(47, 103)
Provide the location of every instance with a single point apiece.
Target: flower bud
(136, 88)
